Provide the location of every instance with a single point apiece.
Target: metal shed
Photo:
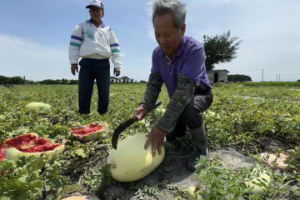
(218, 76)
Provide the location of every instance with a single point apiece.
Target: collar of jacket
(102, 24)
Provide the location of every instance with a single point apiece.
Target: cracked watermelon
(2, 152)
(14, 142)
(90, 132)
(30, 145)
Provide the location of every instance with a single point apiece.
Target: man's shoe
(199, 143)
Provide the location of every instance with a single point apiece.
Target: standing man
(95, 43)
(179, 62)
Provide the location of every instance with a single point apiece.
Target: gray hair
(173, 7)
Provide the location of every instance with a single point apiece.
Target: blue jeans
(91, 70)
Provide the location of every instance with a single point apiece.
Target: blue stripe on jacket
(114, 45)
(77, 38)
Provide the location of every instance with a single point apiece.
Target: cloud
(150, 30)
(270, 40)
(21, 57)
(269, 30)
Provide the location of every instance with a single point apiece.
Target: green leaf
(71, 188)
(80, 152)
(5, 198)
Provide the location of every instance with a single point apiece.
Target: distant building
(218, 76)
(113, 79)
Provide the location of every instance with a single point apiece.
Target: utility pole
(262, 75)
(279, 77)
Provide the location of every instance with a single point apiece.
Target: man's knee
(192, 117)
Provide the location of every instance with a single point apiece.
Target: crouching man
(179, 63)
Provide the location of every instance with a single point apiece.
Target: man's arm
(75, 43)
(180, 99)
(152, 92)
(116, 51)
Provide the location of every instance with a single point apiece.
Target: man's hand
(74, 69)
(156, 139)
(117, 72)
(140, 112)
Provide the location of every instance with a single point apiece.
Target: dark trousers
(191, 117)
(91, 70)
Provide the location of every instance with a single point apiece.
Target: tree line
(17, 80)
(239, 78)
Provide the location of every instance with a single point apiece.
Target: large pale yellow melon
(131, 162)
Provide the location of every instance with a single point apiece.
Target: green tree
(239, 78)
(3, 79)
(16, 80)
(220, 49)
(73, 82)
(65, 81)
(49, 82)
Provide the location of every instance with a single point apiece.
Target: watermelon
(2, 156)
(259, 183)
(193, 193)
(2, 153)
(90, 132)
(131, 161)
(17, 141)
(30, 145)
(39, 107)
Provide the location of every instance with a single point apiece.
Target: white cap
(95, 3)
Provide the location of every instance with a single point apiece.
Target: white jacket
(87, 40)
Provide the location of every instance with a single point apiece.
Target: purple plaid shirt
(189, 61)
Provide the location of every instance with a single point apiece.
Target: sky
(35, 35)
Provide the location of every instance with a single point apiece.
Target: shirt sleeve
(152, 92)
(75, 43)
(183, 95)
(194, 66)
(116, 51)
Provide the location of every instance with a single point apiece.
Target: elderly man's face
(167, 35)
(96, 13)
